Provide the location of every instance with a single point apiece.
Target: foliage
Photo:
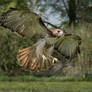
(84, 61)
(85, 58)
(9, 45)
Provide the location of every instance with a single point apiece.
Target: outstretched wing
(25, 23)
(68, 46)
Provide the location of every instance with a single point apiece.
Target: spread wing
(68, 46)
(25, 23)
(38, 56)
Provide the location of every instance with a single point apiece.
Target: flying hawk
(39, 56)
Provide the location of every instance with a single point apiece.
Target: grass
(5, 77)
(44, 84)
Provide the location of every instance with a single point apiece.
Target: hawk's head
(57, 32)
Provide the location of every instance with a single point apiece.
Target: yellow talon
(55, 60)
(44, 57)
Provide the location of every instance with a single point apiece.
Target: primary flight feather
(39, 56)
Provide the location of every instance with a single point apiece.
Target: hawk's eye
(58, 31)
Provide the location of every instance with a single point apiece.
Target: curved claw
(44, 57)
(55, 60)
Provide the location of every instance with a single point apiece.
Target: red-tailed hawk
(39, 56)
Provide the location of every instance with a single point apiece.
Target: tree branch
(65, 7)
(51, 24)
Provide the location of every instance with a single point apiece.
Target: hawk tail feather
(23, 57)
(29, 61)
